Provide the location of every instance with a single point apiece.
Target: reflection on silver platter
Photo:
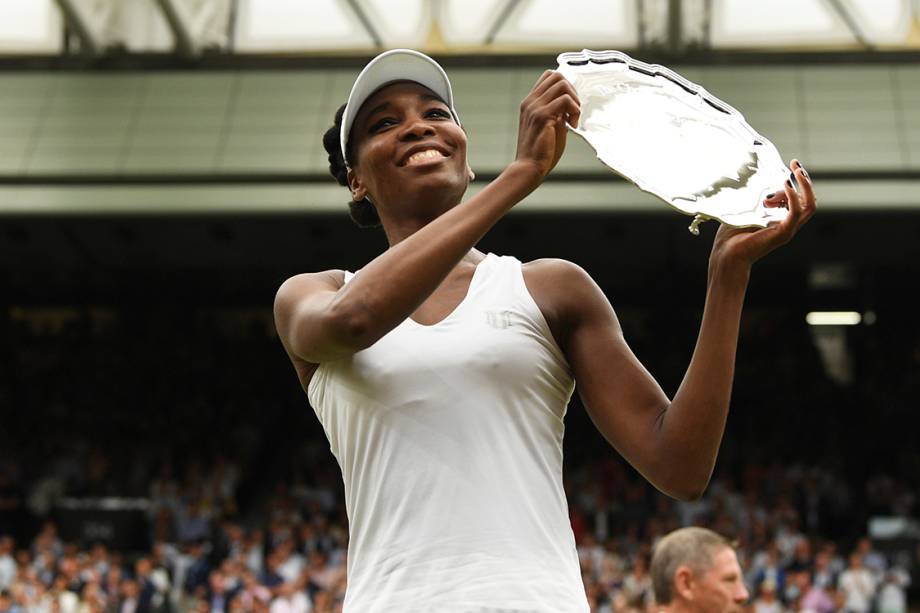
(674, 139)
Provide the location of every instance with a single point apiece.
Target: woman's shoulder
(555, 271)
(296, 288)
(561, 289)
(305, 281)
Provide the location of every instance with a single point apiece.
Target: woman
(441, 374)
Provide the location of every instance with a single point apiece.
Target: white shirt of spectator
(449, 438)
(858, 587)
(292, 567)
(892, 597)
(295, 603)
(762, 606)
(7, 571)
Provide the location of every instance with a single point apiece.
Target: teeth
(427, 154)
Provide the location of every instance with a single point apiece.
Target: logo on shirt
(498, 319)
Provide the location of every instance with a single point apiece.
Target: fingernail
(788, 182)
(770, 195)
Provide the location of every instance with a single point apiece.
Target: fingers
(801, 206)
(548, 78)
(775, 200)
(559, 99)
(801, 202)
(792, 198)
(550, 86)
(554, 88)
(564, 106)
(808, 200)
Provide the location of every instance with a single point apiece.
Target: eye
(381, 123)
(438, 113)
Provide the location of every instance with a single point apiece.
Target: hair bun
(363, 213)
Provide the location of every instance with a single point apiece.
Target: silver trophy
(674, 139)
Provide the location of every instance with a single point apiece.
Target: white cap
(395, 65)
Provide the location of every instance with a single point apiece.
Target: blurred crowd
(198, 415)
(290, 554)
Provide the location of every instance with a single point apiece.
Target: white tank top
(449, 437)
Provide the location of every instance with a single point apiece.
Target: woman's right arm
(320, 319)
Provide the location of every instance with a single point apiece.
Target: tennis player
(441, 374)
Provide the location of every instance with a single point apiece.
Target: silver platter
(674, 139)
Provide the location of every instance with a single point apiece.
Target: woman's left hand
(744, 246)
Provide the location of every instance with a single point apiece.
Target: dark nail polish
(788, 182)
(770, 195)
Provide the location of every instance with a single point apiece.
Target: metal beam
(489, 58)
(848, 19)
(640, 24)
(707, 24)
(75, 19)
(654, 23)
(500, 21)
(695, 16)
(182, 35)
(675, 27)
(365, 22)
(231, 24)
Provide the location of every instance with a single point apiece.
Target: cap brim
(394, 65)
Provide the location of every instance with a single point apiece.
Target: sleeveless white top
(449, 437)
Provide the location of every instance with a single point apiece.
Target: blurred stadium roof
(359, 27)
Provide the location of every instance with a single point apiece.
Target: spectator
(637, 586)
(823, 576)
(872, 560)
(6, 602)
(815, 598)
(695, 570)
(892, 597)
(291, 599)
(290, 563)
(218, 597)
(193, 523)
(857, 586)
(253, 591)
(129, 597)
(7, 563)
(768, 567)
(766, 601)
(196, 577)
(92, 599)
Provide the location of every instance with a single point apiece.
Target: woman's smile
(425, 157)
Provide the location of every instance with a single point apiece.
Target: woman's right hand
(544, 112)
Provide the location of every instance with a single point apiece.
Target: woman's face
(408, 148)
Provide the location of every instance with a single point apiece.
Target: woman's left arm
(673, 443)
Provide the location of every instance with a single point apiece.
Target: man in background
(695, 570)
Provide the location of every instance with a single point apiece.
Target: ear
(683, 582)
(358, 190)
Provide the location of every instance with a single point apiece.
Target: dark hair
(362, 212)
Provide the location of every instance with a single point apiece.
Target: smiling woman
(387, 93)
(442, 375)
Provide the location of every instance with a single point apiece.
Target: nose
(416, 128)
(742, 595)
